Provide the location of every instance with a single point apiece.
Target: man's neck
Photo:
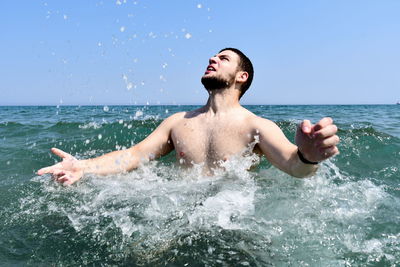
(222, 100)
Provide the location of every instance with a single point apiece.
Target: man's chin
(211, 82)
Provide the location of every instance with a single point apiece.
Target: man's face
(221, 71)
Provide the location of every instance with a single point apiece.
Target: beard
(214, 83)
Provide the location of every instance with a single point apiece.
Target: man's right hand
(67, 172)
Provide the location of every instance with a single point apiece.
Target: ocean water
(348, 214)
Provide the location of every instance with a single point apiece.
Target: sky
(155, 51)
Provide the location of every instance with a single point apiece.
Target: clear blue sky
(126, 52)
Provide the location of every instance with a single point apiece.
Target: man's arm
(315, 143)
(157, 144)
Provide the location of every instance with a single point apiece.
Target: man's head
(228, 66)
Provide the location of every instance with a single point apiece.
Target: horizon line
(188, 104)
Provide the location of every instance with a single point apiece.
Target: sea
(347, 214)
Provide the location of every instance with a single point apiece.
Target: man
(214, 133)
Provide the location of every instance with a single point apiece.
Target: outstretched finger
(45, 170)
(60, 153)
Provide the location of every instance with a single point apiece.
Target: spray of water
(162, 213)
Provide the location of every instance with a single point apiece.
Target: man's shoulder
(257, 121)
(176, 117)
(170, 122)
(180, 116)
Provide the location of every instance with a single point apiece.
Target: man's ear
(242, 76)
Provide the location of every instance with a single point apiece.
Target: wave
(161, 214)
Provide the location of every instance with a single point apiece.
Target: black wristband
(303, 159)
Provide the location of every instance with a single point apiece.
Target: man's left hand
(317, 142)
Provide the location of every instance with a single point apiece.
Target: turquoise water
(347, 215)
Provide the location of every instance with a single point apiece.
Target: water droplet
(199, 6)
(65, 17)
(188, 36)
(87, 141)
(122, 29)
(138, 113)
(106, 108)
(99, 136)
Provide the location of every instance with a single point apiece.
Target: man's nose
(213, 60)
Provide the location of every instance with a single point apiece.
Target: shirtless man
(214, 133)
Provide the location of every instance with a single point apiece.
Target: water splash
(262, 217)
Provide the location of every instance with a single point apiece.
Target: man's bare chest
(208, 143)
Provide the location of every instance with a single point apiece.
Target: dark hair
(244, 65)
